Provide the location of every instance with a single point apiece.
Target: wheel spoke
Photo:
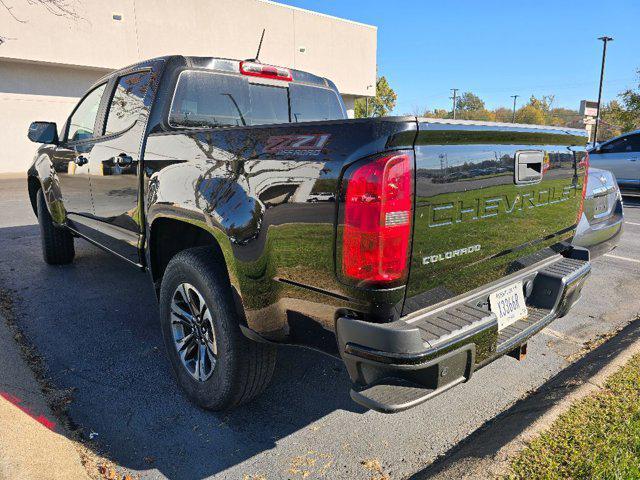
(189, 297)
(184, 342)
(181, 319)
(202, 356)
(210, 340)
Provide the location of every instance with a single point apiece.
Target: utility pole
(605, 40)
(455, 99)
(515, 97)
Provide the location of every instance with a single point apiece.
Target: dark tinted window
(268, 104)
(128, 101)
(209, 99)
(634, 141)
(309, 104)
(83, 119)
(630, 143)
(204, 99)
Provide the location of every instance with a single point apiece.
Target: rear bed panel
(472, 221)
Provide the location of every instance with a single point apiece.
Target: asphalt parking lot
(94, 323)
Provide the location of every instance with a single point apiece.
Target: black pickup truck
(417, 250)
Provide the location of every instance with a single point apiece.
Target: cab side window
(129, 100)
(634, 142)
(83, 119)
(620, 145)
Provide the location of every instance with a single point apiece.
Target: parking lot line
(622, 258)
(633, 223)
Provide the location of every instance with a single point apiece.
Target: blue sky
(497, 48)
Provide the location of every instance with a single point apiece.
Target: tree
(564, 117)
(544, 104)
(503, 114)
(530, 115)
(629, 113)
(469, 102)
(378, 106)
(436, 113)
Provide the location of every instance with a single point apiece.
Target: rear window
(268, 104)
(205, 99)
(309, 104)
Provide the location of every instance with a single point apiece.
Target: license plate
(508, 305)
(601, 205)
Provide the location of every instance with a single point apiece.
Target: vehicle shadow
(95, 324)
(471, 457)
(631, 202)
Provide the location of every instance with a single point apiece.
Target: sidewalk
(32, 444)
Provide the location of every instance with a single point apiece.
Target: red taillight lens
(377, 221)
(265, 71)
(583, 164)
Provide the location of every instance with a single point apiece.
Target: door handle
(81, 160)
(635, 159)
(123, 159)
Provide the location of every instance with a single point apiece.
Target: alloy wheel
(193, 332)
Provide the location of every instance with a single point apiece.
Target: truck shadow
(471, 457)
(95, 324)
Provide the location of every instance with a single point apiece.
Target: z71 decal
(297, 144)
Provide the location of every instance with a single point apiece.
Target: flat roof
(284, 5)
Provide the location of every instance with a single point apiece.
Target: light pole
(605, 40)
(367, 103)
(513, 118)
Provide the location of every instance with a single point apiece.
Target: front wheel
(57, 242)
(214, 363)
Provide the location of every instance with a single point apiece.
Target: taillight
(378, 210)
(265, 71)
(584, 163)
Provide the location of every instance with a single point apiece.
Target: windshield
(207, 99)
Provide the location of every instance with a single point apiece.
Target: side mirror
(43, 132)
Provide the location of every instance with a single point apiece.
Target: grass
(598, 438)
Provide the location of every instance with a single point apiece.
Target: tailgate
(488, 197)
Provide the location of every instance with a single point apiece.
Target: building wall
(31, 92)
(48, 62)
(339, 49)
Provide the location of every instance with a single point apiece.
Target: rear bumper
(602, 236)
(399, 365)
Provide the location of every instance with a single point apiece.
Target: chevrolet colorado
(416, 250)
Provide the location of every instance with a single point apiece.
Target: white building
(48, 61)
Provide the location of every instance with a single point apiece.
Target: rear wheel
(214, 363)
(57, 242)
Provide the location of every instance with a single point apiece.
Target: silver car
(621, 156)
(600, 225)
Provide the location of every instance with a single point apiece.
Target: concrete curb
(33, 444)
(487, 452)
(592, 385)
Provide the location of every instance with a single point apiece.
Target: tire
(57, 242)
(243, 368)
